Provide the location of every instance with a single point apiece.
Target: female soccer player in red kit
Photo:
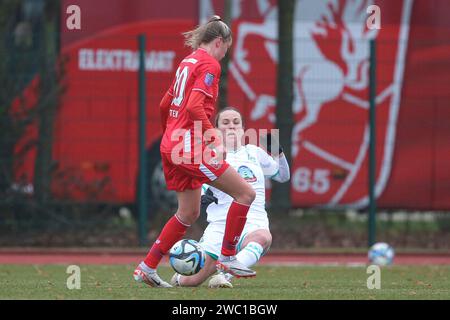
(189, 103)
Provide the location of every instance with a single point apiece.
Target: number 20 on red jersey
(180, 85)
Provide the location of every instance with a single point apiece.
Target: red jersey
(197, 72)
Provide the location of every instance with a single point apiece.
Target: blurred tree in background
(29, 90)
(50, 73)
(11, 34)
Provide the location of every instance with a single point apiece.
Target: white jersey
(254, 165)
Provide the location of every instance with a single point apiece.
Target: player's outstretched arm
(277, 169)
(284, 173)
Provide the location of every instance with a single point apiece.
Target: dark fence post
(372, 155)
(142, 185)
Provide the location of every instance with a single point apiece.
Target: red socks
(173, 231)
(236, 218)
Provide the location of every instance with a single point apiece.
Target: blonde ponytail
(207, 32)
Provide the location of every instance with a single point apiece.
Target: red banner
(96, 130)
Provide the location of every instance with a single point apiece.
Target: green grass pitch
(272, 283)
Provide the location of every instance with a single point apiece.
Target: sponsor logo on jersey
(209, 79)
(247, 174)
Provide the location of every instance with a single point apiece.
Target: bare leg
(234, 185)
(243, 194)
(188, 205)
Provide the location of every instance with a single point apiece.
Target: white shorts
(212, 238)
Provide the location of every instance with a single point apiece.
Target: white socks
(250, 254)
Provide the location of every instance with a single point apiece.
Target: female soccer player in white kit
(254, 165)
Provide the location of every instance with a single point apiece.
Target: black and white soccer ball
(187, 257)
(381, 254)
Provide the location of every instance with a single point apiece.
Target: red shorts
(180, 177)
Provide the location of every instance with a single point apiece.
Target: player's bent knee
(267, 241)
(263, 237)
(247, 198)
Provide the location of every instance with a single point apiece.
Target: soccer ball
(381, 254)
(187, 257)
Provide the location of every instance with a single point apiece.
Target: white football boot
(232, 266)
(150, 278)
